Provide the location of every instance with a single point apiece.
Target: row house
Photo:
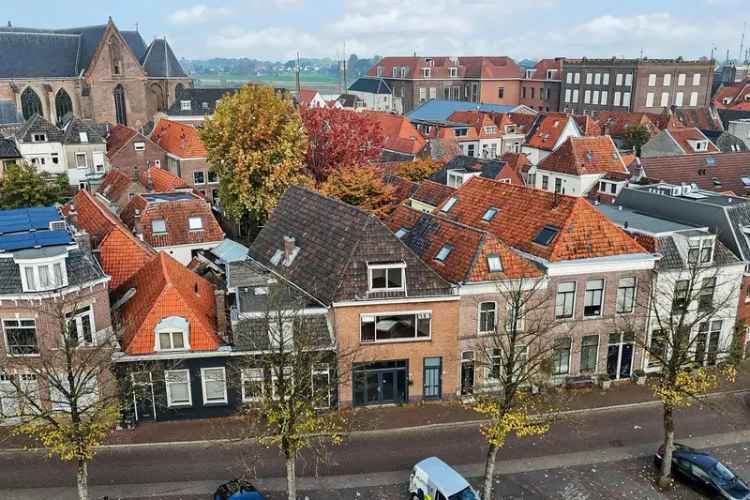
(691, 257)
(191, 106)
(547, 133)
(118, 189)
(460, 169)
(540, 88)
(393, 317)
(376, 95)
(401, 140)
(678, 141)
(596, 273)
(129, 151)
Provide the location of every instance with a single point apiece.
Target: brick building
(540, 88)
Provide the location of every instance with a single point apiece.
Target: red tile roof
(682, 135)
(306, 96)
(467, 261)
(118, 136)
(481, 67)
(734, 96)
(175, 214)
(587, 125)
(161, 180)
(517, 161)
(114, 185)
(702, 118)
(719, 172)
(547, 130)
(165, 288)
(616, 123)
(432, 193)
(178, 139)
(584, 155)
(540, 68)
(398, 133)
(582, 231)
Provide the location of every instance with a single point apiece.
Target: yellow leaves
(361, 186)
(685, 386)
(505, 420)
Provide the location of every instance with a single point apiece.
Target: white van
(433, 479)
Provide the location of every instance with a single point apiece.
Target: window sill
(32, 355)
(394, 341)
(215, 403)
(180, 405)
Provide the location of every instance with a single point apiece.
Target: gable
(113, 44)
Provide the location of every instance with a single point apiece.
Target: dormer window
(380, 71)
(700, 250)
(281, 339)
(427, 72)
(453, 72)
(494, 264)
(38, 275)
(460, 132)
(172, 334)
(490, 129)
(195, 223)
(158, 226)
(139, 146)
(444, 252)
(404, 72)
(699, 146)
(489, 214)
(389, 277)
(83, 136)
(185, 105)
(449, 204)
(39, 137)
(510, 129)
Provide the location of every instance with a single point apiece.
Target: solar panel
(546, 235)
(25, 240)
(26, 219)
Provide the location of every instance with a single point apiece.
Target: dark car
(237, 489)
(705, 472)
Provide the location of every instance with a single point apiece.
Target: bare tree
(61, 393)
(688, 305)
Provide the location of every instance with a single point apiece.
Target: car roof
(443, 476)
(702, 458)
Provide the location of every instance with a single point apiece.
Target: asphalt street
(369, 462)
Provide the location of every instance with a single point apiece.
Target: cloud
(197, 14)
(658, 26)
(269, 42)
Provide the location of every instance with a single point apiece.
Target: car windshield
(722, 473)
(466, 494)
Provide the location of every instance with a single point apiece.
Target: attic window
(746, 181)
(546, 235)
(139, 146)
(460, 132)
(489, 214)
(443, 253)
(158, 226)
(195, 223)
(494, 264)
(402, 232)
(449, 204)
(39, 138)
(185, 105)
(453, 72)
(83, 136)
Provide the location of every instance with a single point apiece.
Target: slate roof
(674, 141)
(160, 61)
(81, 268)
(487, 168)
(370, 85)
(8, 149)
(432, 193)
(470, 247)
(725, 141)
(336, 241)
(721, 172)
(579, 230)
(202, 100)
(584, 155)
(72, 132)
(702, 118)
(178, 139)
(38, 124)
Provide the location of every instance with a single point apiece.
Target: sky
(277, 29)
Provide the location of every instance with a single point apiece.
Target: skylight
(449, 204)
(489, 214)
(444, 252)
(401, 232)
(494, 264)
(746, 181)
(546, 235)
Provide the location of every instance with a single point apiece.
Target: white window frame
(589, 78)
(49, 264)
(604, 98)
(628, 79)
(587, 97)
(373, 318)
(618, 79)
(247, 377)
(664, 99)
(626, 99)
(76, 316)
(139, 146)
(453, 72)
(567, 94)
(696, 79)
(5, 335)
(171, 348)
(633, 300)
(204, 379)
(577, 78)
(167, 384)
(681, 79)
(602, 291)
(597, 79)
(288, 371)
(693, 99)
(605, 79)
(85, 160)
(202, 173)
(153, 229)
(569, 78)
(573, 308)
(575, 95)
(679, 98)
(396, 265)
(479, 318)
(650, 100)
(83, 137)
(99, 162)
(652, 80)
(595, 97)
(192, 226)
(667, 81)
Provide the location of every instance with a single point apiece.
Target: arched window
(114, 55)
(63, 105)
(30, 103)
(120, 112)
(178, 89)
(158, 97)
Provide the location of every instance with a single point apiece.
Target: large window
(706, 294)
(178, 388)
(195, 223)
(565, 301)
(592, 304)
(81, 160)
(589, 353)
(42, 277)
(80, 325)
(707, 342)
(253, 384)
(386, 277)
(680, 297)
(625, 295)
(158, 226)
(214, 385)
(561, 356)
(20, 336)
(487, 317)
(30, 103)
(63, 105)
(120, 108)
(387, 327)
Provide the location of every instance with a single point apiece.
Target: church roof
(160, 61)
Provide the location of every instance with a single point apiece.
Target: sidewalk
(376, 419)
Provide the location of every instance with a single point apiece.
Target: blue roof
(37, 239)
(443, 476)
(437, 109)
(230, 251)
(28, 219)
(167, 196)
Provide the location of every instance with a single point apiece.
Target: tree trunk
(666, 463)
(82, 480)
(489, 472)
(291, 479)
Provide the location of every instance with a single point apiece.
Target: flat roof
(634, 219)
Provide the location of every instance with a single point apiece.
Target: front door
(143, 396)
(381, 382)
(467, 372)
(620, 355)
(433, 368)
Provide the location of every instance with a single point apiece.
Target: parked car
(705, 472)
(433, 479)
(238, 489)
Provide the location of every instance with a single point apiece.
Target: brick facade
(131, 161)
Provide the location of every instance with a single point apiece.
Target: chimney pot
(288, 246)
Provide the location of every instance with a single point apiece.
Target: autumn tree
(256, 144)
(361, 186)
(61, 395)
(635, 137)
(23, 186)
(339, 138)
(417, 170)
(687, 349)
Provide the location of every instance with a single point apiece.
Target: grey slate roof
(728, 115)
(160, 61)
(488, 168)
(671, 258)
(81, 269)
(370, 85)
(725, 141)
(198, 96)
(8, 149)
(336, 241)
(252, 334)
(38, 124)
(72, 133)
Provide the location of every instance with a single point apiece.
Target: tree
(23, 186)
(65, 398)
(516, 354)
(635, 137)
(293, 383)
(361, 186)
(689, 304)
(339, 138)
(256, 144)
(418, 170)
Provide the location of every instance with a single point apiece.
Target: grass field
(325, 84)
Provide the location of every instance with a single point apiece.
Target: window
(42, 277)
(595, 99)
(561, 356)
(598, 79)
(651, 80)
(680, 297)
(664, 99)
(489, 214)
(681, 79)
(603, 100)
(656, 349)
(213, 178)
(395, 72)
(693, 99)
(422, 94)
(449, 204)
(650, 100)
(706, 294)
(495, 368)
(195, 223)
(20, 336)
(667, 79)
(470, 149)
(545, 182)
(514, 321)
(626, 99)
(178, 388)
(379, 71)
(81, 160)
(696, 79)
(587, 97)
(199, 177)
(83, 136)
(214, 385)
(707, 342)
(30, 103)
(253, 384)
(592, 302)
(287, 379)
(569, 78)
(120, 107)
(589, 353)
(80, 325)
(426, 72)
(401, 232)
(605, 79)
(433, 93)
(618, 79)
(546, 235)
(559, 185)
(567, 95)
(139, 146)
(39, 138)
(321, 385)
(589, 78)
(404, 71)
(185, 105)
(494, 264)
(386, 277)
(707, 250)
(172, 341)
(487, 317)
(678, 98)
(389, 327)
(578, 78)
(625, 295)
(565, 300)
(158, 226)
(98, 157)
(575, 95)
(281, 339)
(443, 253)
(628, 79)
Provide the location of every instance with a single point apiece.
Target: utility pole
(344, 67)
(296, 77)
(742, 43)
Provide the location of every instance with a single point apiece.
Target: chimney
(83, 239)
(221, 313)
(73, 216)
(137, 228)
(288, 248)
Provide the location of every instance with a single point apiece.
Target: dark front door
(143, 396)
(619, 355)
(433, 368)
(467, 373)
(380, 382)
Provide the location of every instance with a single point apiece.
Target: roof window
(494, 264)
(444, 252)
(185, 105)
(449, 204)
(158, 226)
(489, 214)
(402, 232)
(546, 235)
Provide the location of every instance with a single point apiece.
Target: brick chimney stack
(288, 247)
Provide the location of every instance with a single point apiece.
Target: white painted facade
(45, 156)
(183, 253)
(741, 129)
(573, 185)
(535, 155)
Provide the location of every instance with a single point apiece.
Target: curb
(376, 432)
